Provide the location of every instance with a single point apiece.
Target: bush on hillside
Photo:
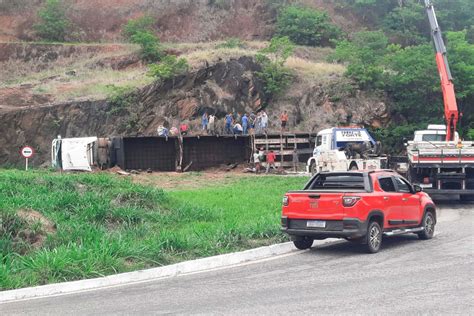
(233, 42)
(53, 25)
(275, 76)
(306, 26)
(169, 67)
(139, 31)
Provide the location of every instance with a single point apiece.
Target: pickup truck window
(402, 186)
(337, 181)
(387, 185)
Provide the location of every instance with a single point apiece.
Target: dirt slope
(176, 20)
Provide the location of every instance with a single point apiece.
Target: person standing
(211, 125)
(228, 123)
(271, 161)
(183, 128)
(284, 120)
(264, 121)
(204, 121)
(256, 161)
(252, 118)
(258, 123)
(245, 124)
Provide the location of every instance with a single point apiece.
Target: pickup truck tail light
(285, 201)
(349, 201)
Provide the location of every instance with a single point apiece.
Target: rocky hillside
(223, 83)
(177, 20)
(65, 89)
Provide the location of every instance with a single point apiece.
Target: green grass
(105, 224)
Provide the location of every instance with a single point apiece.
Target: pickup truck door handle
(314, 196)
(404, 199)
(385, 198)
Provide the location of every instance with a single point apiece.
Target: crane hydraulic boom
(451, 113)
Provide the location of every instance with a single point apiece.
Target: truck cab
(345, 148)
(434, 133)
(440, 166)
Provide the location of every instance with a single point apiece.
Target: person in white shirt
(211, 125)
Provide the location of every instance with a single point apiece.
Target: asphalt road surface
(408, 276)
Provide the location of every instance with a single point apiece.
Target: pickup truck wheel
(374, 237)
(303, 243)
(428, 226)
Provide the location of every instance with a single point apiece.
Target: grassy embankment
(56, 228)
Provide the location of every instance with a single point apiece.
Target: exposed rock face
(313, 107)
(219, 89)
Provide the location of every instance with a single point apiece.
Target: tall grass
(105, 224)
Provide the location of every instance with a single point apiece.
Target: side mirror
(417, 188)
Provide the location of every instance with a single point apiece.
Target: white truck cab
(345, 148)
(434, 133)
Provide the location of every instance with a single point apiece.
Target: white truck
(440, 166)
(345, 148)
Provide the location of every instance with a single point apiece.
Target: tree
(411, 80)
(306, 26)
(139, 31)
(364, 56)
(53, 25)
(461, 57)
(406, 24)
(275, 76)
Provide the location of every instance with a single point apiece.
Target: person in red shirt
(271, 161)
(183, 129)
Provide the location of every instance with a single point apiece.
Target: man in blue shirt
(228, 123)
(245, 123)
(204, 121)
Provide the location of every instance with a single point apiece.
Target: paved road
(408, 276)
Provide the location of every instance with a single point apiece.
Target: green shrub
(53, 24)
(275, 76)
(470, 133)
(120, 98)
(139, 31)
(135, 26)
(169, 67)
(306, 26)
(232, 43)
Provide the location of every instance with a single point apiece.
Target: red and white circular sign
(27, 152)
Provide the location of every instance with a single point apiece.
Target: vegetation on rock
(275, 76)
(169, 67)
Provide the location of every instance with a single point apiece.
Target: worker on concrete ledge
(183, 128)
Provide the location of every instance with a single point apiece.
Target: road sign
(27, 152)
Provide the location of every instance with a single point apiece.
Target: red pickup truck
(360, 206)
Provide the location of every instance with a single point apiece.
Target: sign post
(27, 152)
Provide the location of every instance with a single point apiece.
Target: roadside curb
(186, 267)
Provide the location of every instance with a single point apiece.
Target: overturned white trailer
(79, 154)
